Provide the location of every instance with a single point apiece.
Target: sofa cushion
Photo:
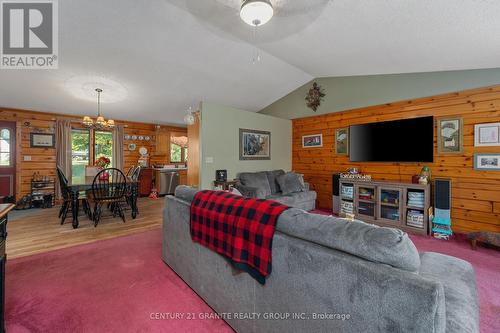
(271, 177)
(290, 182)
(460, 292)
(378, 244)
(259, 181)
(294, 199)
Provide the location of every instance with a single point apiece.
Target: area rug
(122, 285)
(117, 285)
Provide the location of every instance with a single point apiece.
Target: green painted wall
(219, 137)
(345, 93)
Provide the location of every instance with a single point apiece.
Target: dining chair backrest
(63, 183)
(131, 171)
(110, 187)
(136, 173)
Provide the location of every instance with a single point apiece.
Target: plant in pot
(102, 163)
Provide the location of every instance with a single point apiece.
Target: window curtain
(63, 150)
(118, 160)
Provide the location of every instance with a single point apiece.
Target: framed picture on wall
(487, 135)
(342, 141)
(486, 162)
(314, 140)
(42, 140)
(255, 145)
(450, 135)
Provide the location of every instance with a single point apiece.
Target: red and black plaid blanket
(239, 228)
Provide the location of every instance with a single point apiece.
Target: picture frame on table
(450, 135)
(487, 135)
(42, 140)
(313, 140)
(487, 162)
(342, 141)
(255, 144)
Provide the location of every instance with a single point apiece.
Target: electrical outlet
(209, 159)
(27, 157)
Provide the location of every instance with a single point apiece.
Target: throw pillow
(236, 192)
(259, 181)
(291, 182)
(271, 177)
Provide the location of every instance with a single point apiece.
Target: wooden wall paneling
(475, 194)
(43, 160)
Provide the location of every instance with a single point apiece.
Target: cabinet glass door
(346, 199)
(366, 201)
(415, 208)
(390, 204)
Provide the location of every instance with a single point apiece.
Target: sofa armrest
(307, 186)
(246, 191)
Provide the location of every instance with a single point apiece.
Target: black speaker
(442, 194)
(336, 193)
(441, 224)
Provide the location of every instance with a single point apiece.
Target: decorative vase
(104, 176)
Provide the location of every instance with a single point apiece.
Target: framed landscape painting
(314, 140)
(450, 135)
(342, 141)
(255, 145)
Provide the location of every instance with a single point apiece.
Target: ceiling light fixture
(189, 117)
(256, 12)
(100, 123)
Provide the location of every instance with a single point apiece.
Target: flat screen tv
(408, 140)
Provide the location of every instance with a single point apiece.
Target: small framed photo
(487, 135)
(450, 135)
(42, 140)
(314, 140)
(486, 162)
(342, 141)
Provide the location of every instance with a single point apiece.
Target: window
(178, 148)
(80, 153)
(87, 146)
(5, 147)
(103, 146)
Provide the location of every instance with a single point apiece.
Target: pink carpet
(122, 285)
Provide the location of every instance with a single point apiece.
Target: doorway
(7, 159)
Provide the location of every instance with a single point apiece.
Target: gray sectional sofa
(328, 275)
(264, 185)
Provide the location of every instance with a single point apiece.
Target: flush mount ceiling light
(256, 12)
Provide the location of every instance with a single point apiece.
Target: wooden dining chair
(108, 190)
(131, 171)
(133, 177)
(66, 194)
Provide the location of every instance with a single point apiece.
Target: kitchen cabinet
(162, 146)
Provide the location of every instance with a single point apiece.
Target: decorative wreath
(314, 97)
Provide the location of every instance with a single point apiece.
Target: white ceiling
(158, 57)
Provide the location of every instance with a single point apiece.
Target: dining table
(83, 184)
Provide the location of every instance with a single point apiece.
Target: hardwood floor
(40, 231)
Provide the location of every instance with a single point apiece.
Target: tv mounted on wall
(408, 140)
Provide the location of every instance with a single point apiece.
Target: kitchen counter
(170, 169)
